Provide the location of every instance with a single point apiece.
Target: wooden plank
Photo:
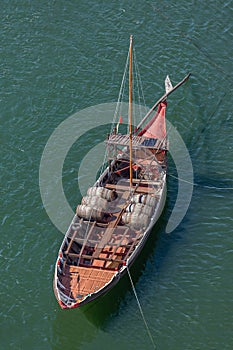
(72, 238)
(82, 240)
(91, 257)
(71, 241)
(119, 244)
(139, 189)
(123, 140)
(148, 182)
(112, 226)
(131, 248)
(106, 237)
(108, 233)
(119, 187)
(86, 239)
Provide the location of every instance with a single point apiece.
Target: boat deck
(143, 142)
(80, 281)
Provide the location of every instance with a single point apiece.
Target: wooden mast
(130, 110)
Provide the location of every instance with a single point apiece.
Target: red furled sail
(156, 128)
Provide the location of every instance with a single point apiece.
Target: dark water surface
(59, 57)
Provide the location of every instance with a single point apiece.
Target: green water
(58, 57)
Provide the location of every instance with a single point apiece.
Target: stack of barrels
(94, 205)
(139, 212)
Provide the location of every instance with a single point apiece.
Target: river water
(60, 57)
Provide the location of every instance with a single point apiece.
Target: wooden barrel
(139, 209)
(135, 220)
(87, 212)
(145, 199)
(95, 202)
(101, 192)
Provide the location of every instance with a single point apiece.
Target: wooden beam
(119, 244)
(91, 257)
(86, 239)
(131, 248)
(137, 189)
(71, 241)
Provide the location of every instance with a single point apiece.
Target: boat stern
(77, 285)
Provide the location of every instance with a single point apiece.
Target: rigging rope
(141, 311)
(140, 94)
(139, 83)
(121, 92)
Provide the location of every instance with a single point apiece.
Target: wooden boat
(114, 219)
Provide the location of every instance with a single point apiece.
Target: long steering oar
(163, 98)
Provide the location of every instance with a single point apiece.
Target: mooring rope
(198, 185)
(141, 311)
